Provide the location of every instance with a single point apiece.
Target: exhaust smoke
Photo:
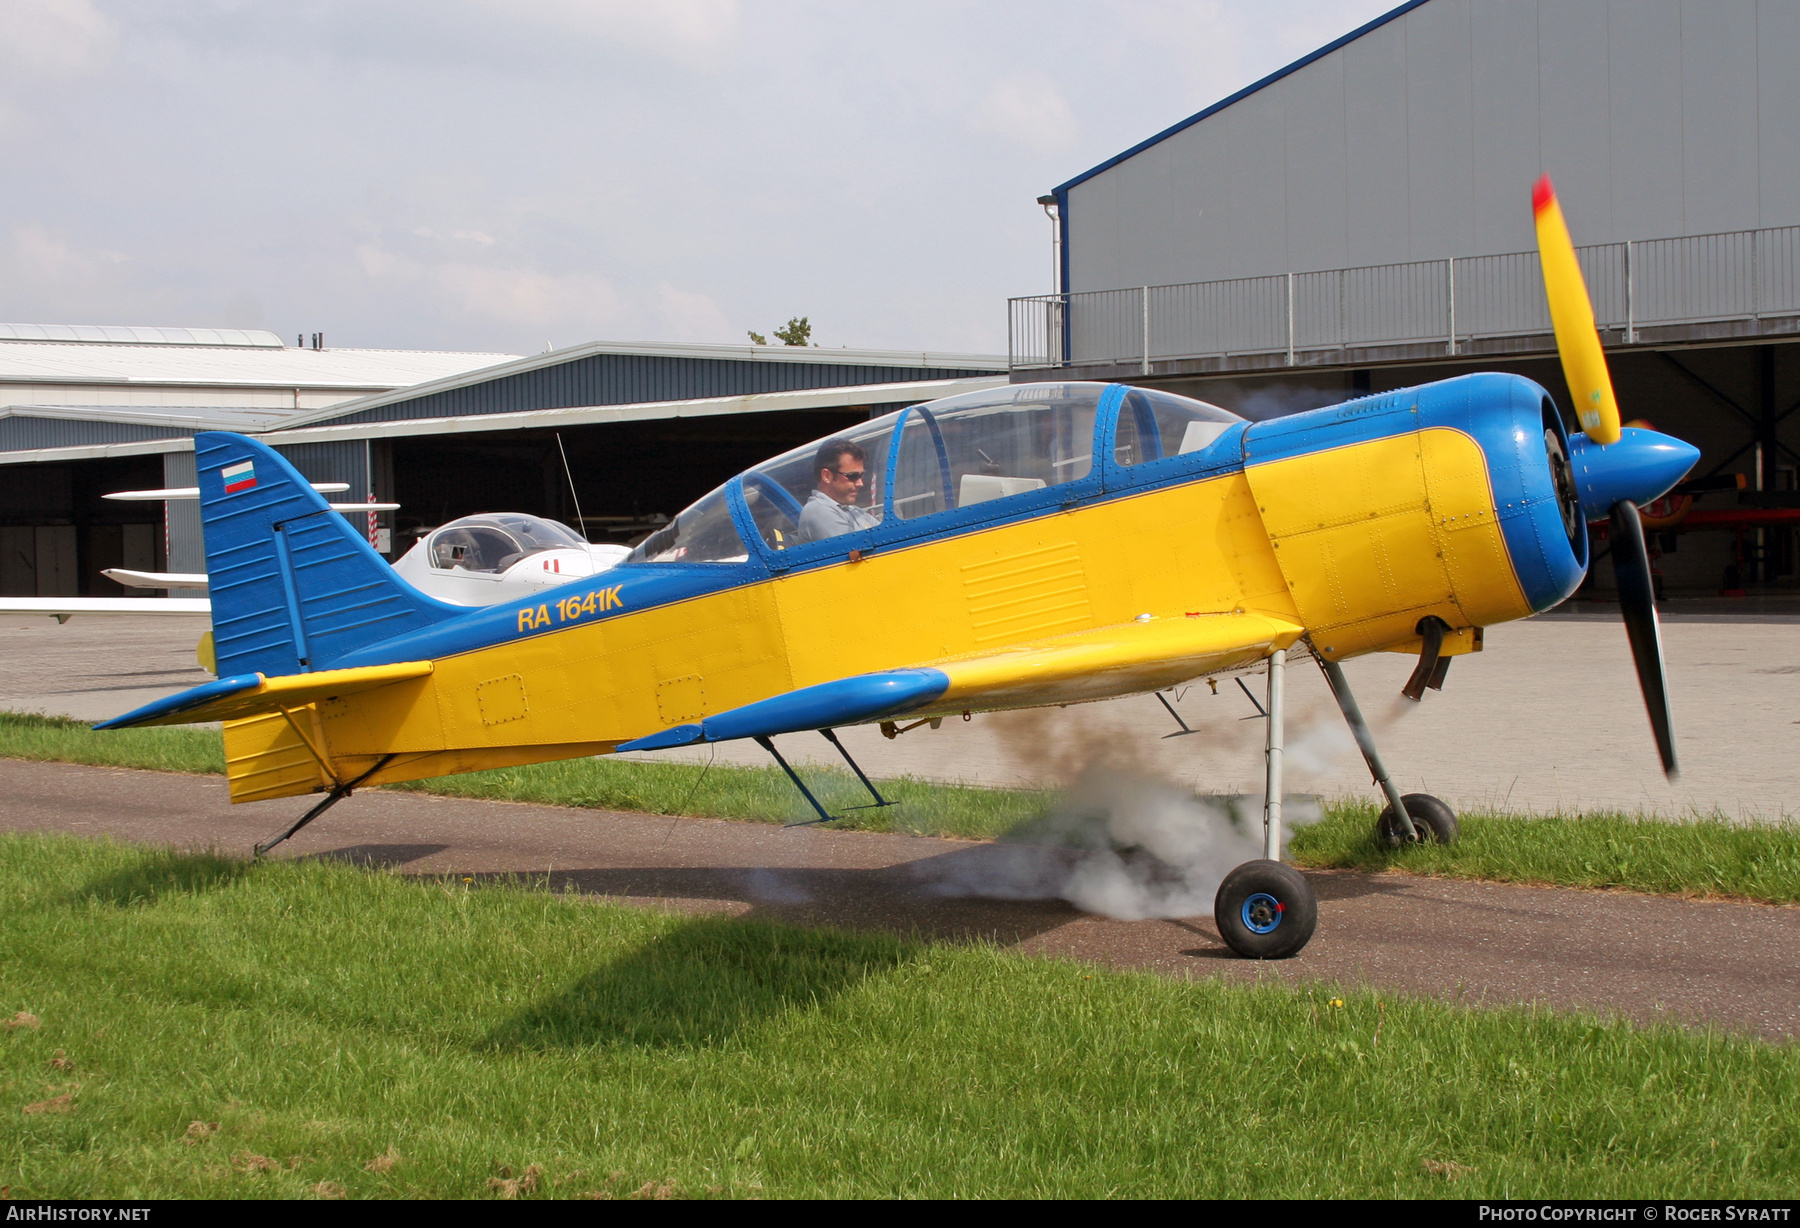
(1122, 844)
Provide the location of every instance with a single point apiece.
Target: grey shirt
(824, 517)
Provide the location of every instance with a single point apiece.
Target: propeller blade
(1637, 601)
(1572, 315)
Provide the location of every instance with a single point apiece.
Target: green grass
(764, 794)
(57, 739)
(477, 1035)
(1699, 858)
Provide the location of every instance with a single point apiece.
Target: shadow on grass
(163, 872)
(700, 984)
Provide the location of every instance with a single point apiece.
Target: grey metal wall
(1421, 139)
(21, 432)
(187, 548)
(343, 461)
(626, 379)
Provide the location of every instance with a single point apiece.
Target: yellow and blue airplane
(1033, 545)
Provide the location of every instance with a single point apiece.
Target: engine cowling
(1455, 499)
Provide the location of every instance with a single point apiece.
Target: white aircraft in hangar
(476, 560)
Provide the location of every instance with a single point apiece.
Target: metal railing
(1742, 275)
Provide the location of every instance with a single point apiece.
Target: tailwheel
(1434, 822)
(1265, 910)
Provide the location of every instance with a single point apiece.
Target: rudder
(294, 587)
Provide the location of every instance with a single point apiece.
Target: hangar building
(646, 429)
(1360, 221)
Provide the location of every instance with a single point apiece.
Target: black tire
(1265, 910)
(1432, 820)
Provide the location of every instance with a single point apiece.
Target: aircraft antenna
(580, 524)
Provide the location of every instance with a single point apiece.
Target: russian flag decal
(238, 477)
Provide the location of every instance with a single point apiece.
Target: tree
(796, 332)
(757, 338)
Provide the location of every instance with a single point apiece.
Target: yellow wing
(1126, 659)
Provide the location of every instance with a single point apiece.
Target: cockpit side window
(778, 491)
(491, 542)
(537, 533)
(472, 547)
(1153, 425)
(966, 450)
(704, 533)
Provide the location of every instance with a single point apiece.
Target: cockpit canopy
(947, 454)
(493, 542)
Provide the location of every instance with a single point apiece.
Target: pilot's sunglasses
(850, 477)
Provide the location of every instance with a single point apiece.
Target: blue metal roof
(611, 377)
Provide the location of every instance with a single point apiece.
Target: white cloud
(54, 38)
(573, 306)
(686, 316)
(48, 258)
(692, 32)
(528, 296)
(568, 302)
(461, 236)
(1026, 109)
(377, 262)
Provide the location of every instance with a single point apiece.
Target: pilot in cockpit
(840, 468)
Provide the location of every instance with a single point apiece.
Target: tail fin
(294, 586)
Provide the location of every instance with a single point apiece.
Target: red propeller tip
(1542, 194)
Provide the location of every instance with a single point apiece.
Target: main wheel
(1432, 820)
(1265, 910)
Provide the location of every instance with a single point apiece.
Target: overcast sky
(502, 174)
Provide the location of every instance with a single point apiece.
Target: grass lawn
(185, 1026)
(764, 794)
(1700, 858)
(1697, 858)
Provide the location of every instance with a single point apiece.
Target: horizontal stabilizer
(176, 494)
(847, 701)
(242, 695)
(65, 608)
(155, 579)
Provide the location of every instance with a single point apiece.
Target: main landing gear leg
(831, 737)
(337, 795)
(1266, 910)
(1409, 819)
(1272, 751)
(799, 784)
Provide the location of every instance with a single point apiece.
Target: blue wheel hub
(1262, 913)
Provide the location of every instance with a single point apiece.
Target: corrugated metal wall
(1420, 140)
(186, 546)
(20, 433)
(626, 379)
(345, 461)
